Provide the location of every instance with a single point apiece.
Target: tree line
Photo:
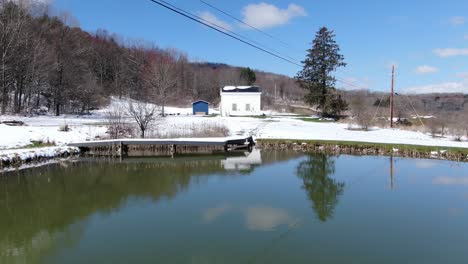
(46, 61)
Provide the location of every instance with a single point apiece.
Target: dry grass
(201, 130)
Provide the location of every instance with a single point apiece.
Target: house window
(234, 107)
(247, 107)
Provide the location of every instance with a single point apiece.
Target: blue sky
(426, 40)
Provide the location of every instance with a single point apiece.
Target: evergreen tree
(323, 190)
(248, 76)
(316, 77)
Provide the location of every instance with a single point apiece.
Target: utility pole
(391, 173)
(392, 96)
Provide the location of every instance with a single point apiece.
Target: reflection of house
(243, 163)
(240, 101)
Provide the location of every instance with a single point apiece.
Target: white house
(240, 101)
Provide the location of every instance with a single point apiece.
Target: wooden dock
(166, 147)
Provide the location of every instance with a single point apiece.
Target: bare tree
(436, 126)
(116, 125)
(361, 110)
(12, 24)
(162, 80)
(143, 113)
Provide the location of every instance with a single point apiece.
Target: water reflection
(244, 162)
(37, 206)
(265, 218)
(197, 209)
(445, 180)
(321, 188)
(257, 218)
(210, 215)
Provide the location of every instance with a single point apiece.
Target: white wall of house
(240, 103)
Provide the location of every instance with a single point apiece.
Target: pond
(269, 207)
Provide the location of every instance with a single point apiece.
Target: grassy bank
(378, 148)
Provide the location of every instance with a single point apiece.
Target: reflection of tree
(322, 190)
(39, 206)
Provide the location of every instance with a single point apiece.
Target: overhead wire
(245, 23)
(237, 36)
(218, 29)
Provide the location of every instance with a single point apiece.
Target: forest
(48, 61)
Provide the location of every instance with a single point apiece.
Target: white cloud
(457, 20)
(447, 87)
(426, 69)
(214, 20)
(265, 15)
(451, 52)
(450, 180)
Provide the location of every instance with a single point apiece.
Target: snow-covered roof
(241, 89)
(200, 101)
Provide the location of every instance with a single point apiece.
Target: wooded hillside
(46, 61)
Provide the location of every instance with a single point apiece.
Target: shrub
(64, 128)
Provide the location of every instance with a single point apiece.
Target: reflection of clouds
(453, 211)
(445, 180)
(267, 218)
(465, 196)
(425, 164)
(257, 218)
(211, 214)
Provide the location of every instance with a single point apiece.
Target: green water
(277, 207)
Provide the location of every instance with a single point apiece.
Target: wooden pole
(392, 96)
(391, 173)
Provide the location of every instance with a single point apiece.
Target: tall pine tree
(316, 77)
(248, 76)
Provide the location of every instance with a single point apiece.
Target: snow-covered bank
(181, 122)
(297, 129)
(20, 156)
(46, 129)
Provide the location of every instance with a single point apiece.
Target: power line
(192, 17)
(231, 34)
(244, 23)
(227, 30)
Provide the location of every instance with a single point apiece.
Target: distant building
(240, 101)
(200, 107)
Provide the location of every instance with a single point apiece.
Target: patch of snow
(422, 117)
(230, 88)
(25, 155)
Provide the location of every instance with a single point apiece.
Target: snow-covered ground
(284, 126)
(21, 155)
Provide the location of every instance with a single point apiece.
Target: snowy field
(91, 127)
